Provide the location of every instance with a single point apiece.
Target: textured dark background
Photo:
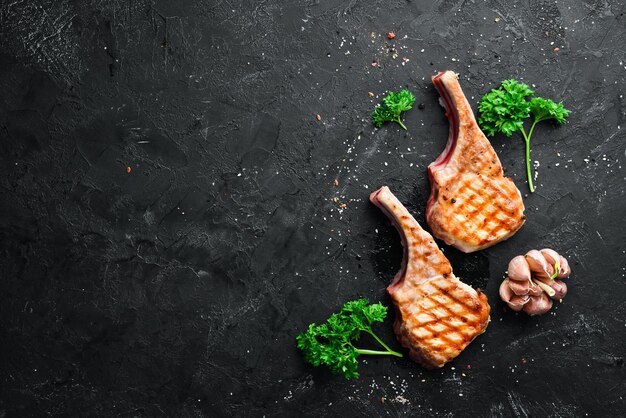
(169, 220)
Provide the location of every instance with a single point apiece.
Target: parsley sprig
(331, 343)
(504, 110)
(392, 106)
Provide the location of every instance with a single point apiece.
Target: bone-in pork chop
(472, 205)
(438, 315)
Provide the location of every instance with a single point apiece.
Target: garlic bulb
(531, 283)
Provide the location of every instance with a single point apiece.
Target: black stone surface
(169, 220)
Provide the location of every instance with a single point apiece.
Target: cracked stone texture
(170, 220)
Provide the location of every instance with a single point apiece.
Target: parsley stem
(382, 343)
(378, 353)
(532, 127)
(528, 170)
(401, 124)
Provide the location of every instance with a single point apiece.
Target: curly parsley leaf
(392, 107)
(331, 343)
(545, 109)
(504, 110)
(381, 115)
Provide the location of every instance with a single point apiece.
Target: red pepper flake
(524, 361)
(391, 35)
(369, 93)
(557, 49)
(128, 169)
(318, 117)
(343, 206)
(374, 64)
(469, 366)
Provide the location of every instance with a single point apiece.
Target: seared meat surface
(472, 205)
(438, 315)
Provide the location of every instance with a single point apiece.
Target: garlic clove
(518, 269)
(538, 264)
(538, 305)
(514, 301)
(552, 257)
(505, 291)
(560, 289)
(564, 270)
(534, 290)
(517, 302)
(520, 288)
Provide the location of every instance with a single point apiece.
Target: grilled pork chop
(472, 205)
(438, 315)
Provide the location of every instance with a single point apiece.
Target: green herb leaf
(330, 344)
(503, 110)
(545, 109)
(381, 115)
(392, 106)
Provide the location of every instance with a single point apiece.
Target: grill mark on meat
(446, 322)
(474, 201)
(472, 205)
(465, 302)
(437, 314)
(439, 305)
(486, 187)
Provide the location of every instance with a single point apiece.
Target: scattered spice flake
(374, 64)
(382, 399)
(391, 35)
(336, 183)
(469, 366)
(335, 199)
(318, 117)
(401, 399)
(128, 169)
(556, 49)
(369, 93)
(343, 206)
(497, 19)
